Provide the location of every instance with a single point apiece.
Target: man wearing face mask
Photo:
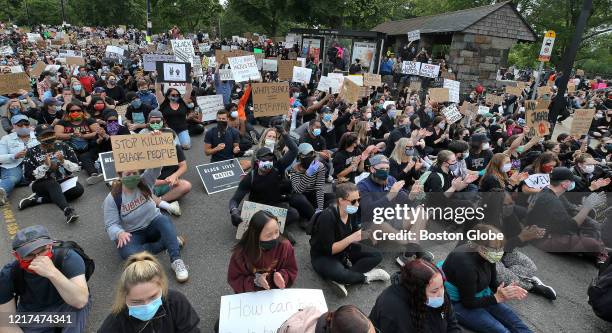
(480, 153)
(44, 85)
(590, 177)
(44, 279)
(50, 112)
(13, 148)
(221, 142)
(113, 90)
(137, 112)
(145, 95)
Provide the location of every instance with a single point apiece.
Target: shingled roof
(452, 22)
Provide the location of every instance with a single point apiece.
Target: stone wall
(476, 58)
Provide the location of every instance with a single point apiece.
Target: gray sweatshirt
(137, 212)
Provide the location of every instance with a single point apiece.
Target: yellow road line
(10, 221)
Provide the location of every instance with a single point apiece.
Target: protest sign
(265, 311)
(339, 79)
(285, 69)
(357, 79)
(209, 105)
(173, 71)
(571, 86)
(538, 180)
(183, 50)
(53, 68)
(69, 53)
(107, 164)
(226, 74)
(483, 109)
(14, 82)
(453, 90)
(414, 35)
(143, 151)
(77, 61)
(220, 176)
(516, 91)
(536, 119)
(205, 47)
(121, 109)
(411, 67)
(494, 99)
(270, 99)
(302, 61)
(32, 38)
(467, 109)
(209, 62)
(221, 56)
(581, 122)
(429, 70)
(325, 83)
(452, 114)
(225, 48)
(6, 50)
(11, 69)
(181, 87)
(114, 52)
(439, 95)
(244, 68)
(270, 65)
(38, 69)
(350, 91)
(149, 60)
(249, 209)
(544, 90)
(371, 80)
(301, 74)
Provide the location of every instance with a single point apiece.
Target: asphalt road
(210, 235)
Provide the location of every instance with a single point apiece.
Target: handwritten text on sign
(143, 151)
(249, 209)
(270, 99)
(581, 122)
(538, 180)
(537, 119)
(265, 311)
(209, 105)
(244, 68)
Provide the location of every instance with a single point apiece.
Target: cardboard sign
(285, 69)
(494, 99)
(439, 95)
(249, 209)
(357, 79)
(6, 50)
(244, 68)
(468, 109)
(571, 86)
(220, 176)
(301, 74)
(453, 90)
(13, 82)
(121, 109)
(302, 61)
(544, 90)
(536, 119)
(411, 67)
(183, 50)
(414, 35)
(78, 61)
(516, 91)
(452, 114)
(38, 68)
(270, 65)
(538, 180)
(107, 163)
(429, 70)
(114, 52)
(209, 105)
(581, 122)
(143, 151)
(372, 80)
(350, 91)
(150, 59)
(173, 71)
(270, 99)
(221, 56)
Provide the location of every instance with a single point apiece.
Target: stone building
(475, 42)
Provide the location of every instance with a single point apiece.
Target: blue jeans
(498, 318)
(11, 178)
(158, 236)
(184, 138)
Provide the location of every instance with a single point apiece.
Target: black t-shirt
(175, 119)
(79, 144)
(229, 137)
(342, 159)
(170, 169)
(117, 93)
(477, 162)
(489, 182)
(138, 116)
(318, 142)
(44, 117)
(551, 213)
(329, 229)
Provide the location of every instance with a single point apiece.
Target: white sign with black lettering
(538, 180)
(244, 68)
(453, 90)
(249, 209)
(301, 74)
(414, 35)
(429, 70)
(411, 67)
(226, 74)
(209, 105)
(452, 114)
(149, 60)
(270, 65)
(183, 50)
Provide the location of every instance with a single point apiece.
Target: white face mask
(522, 109)
(486, 146)
(588, 168)
(506, 167)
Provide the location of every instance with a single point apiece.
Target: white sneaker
(377, 274)
(95, 178)
(180, 270)
(248, 153)
(2, 197)
(339, 288)
(174, 209)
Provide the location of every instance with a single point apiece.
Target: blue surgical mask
(350, 209)
(327, 117)
(190, 105)
(136, 103)
(392, 113)
(77, 88)
(572, 186)
(435, 302)
(316, 132)
(15, 111)
(146, 311)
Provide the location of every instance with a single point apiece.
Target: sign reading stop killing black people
(173, 71)
(143, 151)
(220, 176)
(107, 163)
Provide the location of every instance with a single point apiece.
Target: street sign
(547, 45)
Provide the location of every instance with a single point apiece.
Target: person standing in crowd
(144, 303)
(221, 142)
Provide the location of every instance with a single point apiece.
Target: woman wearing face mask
(415, 302)
(96, 109)
(405, 163)
(113, 90)
(543, 164)
(78, 92)
(262, 259)
(13, 108)
(111, 128)
(471, 285)
(307, 178)
(497, 175)
(439, 138)
(50, 113)
(349, 160)
(175, 109)
(590, 177)
(79, 131)
(143, 302)
(137, 112)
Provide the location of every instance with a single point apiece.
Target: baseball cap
(305, 148)
(130, 96)
(99, 90)
(155, 114)
(52, 101)
(561, 174)
(43, 129)
(378, 159)
(31, 238)
(263, 152)
(479, 137)
(20, 117)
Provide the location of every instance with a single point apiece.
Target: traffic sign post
(545, 52)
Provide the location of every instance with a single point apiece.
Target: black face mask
(269, 245)
(221, 124)
(306, 161)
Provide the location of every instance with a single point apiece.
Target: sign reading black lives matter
(107, 163)
(173, 71)
(220, 176)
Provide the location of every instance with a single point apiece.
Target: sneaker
(70, 214)
(414, 251)
(248, 153)
(180, 270)
(329, 179)
(377, 274)
(174, 209)
(542, 289)
(95, 178)
(338, 288)
(181, 241)
(2, 197)
(29, 201)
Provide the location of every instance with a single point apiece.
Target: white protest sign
(325, 83)
(452, 114)
(249, 209)
(180, 86)
(339, 81)
(234, 47)
(414, 35)
(302, 60)
(453, 90)
(411, 67)
(225, 48)
(357, 79)
(244, 68)
(209, 105)
(265, 311)
(270, 65)
(6, 50)
(483, 109)
(32, 37)
(183, 50)
(538, 180)
(148, 60)
(11, 69)
(429, 70)
(301, 74)
(114, 52)
(204, 47)
(226, 74)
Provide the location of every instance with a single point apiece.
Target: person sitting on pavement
(262, 259)
(36, 282)
(221, 142)
(346, 319)
(110, 128)
(307, 178)
(144, 303)
(47, 167)
(137, 112)
(13, 148)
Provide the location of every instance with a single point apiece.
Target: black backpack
(600, 293)
(61, 248)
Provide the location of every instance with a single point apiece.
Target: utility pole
(63, 13)
(27, 12)
(545, 53)
(149, 24)
(567, 61)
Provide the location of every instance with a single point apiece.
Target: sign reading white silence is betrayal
(209, 105)
(244, 68)
(249, 209)
(265, 311)
(220, 176)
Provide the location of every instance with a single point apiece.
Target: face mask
(453, 167)
(493, 256)
(221, 124)
(466, 154)
(441, 125)
(143, 91)
(506, 167)
(588, 168)
(15, 111)
(112, 82)
(234, 114)
(130, 182)
(350, 209)
(25, 264)
(327, 117)
(599, 116)
(486, 146)
(156, 126)
(547, 168)
(435, 302)
(174, 99)
(23, 131)
(99, 106)
(306, 161)
(265, 165)
(409, 151)
(57, 108)
(77, 88)
(76, 116)
(136, 103)
(392, 113)
(316, 132)
(368, 115)
(268, 245)
(145, 312)
(381, 174)
(572, 186)
(112, 127)
(270, 142)
(53, 79)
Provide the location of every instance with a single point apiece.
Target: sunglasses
(76, 110)
(354, 201)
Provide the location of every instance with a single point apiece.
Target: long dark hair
(415, 277)
(249, 243)
(166, 101)
(117, 188)
(347, 318)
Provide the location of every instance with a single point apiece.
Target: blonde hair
(139, 268)
(361, 128)
(400, 150)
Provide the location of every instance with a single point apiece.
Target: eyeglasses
(35, 253)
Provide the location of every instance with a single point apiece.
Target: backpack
(303, 321)
(600, 293)
(61, 249)
(313, 223)
(425, 176)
